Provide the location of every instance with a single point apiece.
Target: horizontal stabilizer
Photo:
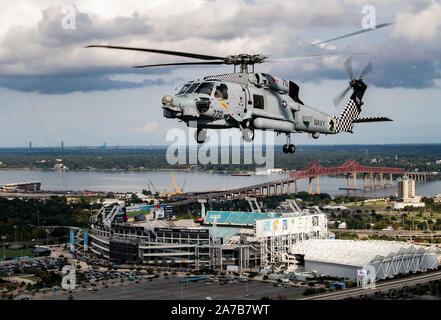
(372, 119)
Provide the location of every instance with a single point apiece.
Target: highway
(391, 233)
(380, 287)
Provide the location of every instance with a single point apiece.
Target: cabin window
(221, 92)
(258, 101)
(205, 88)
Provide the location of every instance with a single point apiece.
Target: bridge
(350, 168)
(373, 177)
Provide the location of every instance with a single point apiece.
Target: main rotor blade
(348, 67)
(353, 33)
(341, 96)
(319, 55)
(173, 53)
(366, 70)
(181, 64)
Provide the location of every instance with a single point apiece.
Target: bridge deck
(312, 170)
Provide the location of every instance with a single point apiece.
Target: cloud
(62, 84)
(147, 127)
(53, 59)
(420, 24)
(87, 27)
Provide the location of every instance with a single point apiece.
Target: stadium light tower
(47, 236)
(15, 228)
(203, 209)
(4, 247)
(214, 228)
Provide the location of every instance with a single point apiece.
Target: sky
(52, 89)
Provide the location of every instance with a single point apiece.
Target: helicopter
(250, 100)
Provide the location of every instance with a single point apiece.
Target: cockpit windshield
(205, 88)
(197, 87)
(192, 88)
(184, 88)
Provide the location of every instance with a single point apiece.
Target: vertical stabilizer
(345, 122)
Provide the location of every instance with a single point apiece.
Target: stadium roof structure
(151, 224)
(225, 232)
(234, 217)
(358, 253)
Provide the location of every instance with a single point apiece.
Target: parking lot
(12, 268)
(93, 279)
(96, 284)
(172, 289)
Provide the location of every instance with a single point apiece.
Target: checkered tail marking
(344, 123)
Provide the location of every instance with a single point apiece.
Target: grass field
(135, 213)
(15, 253)
(30, 277)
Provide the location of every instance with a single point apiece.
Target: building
(21, 187)
(152, 242)
(437, 198)
(406, 188)
(41, 252)
(294, 240)
(335, 208)
(277, 235)
(182, 243)
(351, 259)
(221, 240)
(406, 193)
(399, 205)
(110, 201)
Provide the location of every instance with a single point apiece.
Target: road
(172, 289)
(384, 287)
(390, 233)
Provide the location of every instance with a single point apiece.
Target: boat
(241, 175)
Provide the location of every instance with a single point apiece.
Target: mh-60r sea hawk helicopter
(248, 100)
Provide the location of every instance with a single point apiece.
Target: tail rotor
(366, 70)
(353, 81)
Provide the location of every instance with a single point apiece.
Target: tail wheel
(248, 134)
(200, 135)
(285, 148)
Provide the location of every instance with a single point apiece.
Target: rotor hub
(245, 59)
(358, 84)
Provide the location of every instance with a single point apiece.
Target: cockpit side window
(221, 92)
(184, 88)
(205, 88)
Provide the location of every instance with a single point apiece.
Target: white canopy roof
(356, 252)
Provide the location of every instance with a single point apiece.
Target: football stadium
(221, 240)
(288, 240)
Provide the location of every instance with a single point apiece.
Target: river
(194, 181)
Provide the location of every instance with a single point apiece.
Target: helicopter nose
(179, 107)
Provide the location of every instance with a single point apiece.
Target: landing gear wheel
(248, 134)
(289, 148)
(200, 135)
